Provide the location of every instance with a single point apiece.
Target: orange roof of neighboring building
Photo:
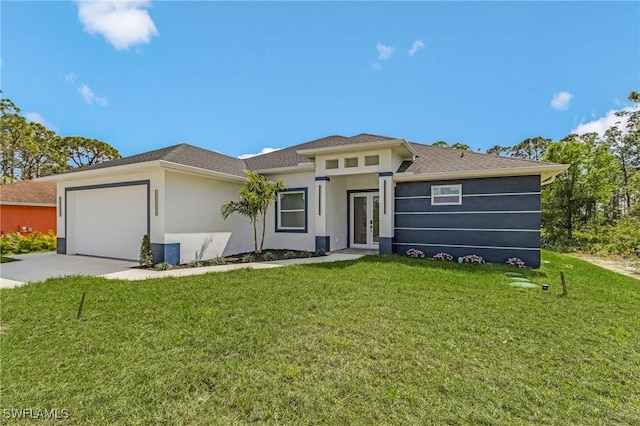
(28, 192)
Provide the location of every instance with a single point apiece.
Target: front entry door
(365, 220)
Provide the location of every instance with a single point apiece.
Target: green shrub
(163, 266)
(218, 260)
(290, 255)
(621, 239)
(195, 264)
(146, 253)
(269, 255)
(32, 243)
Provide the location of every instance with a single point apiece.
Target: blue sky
(239, 77)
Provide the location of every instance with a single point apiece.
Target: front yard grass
(381, 340)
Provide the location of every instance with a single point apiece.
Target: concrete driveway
(40, 266)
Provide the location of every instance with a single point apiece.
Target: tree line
(29, 150)
(595, 203)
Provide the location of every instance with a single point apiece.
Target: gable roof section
(184, 154)
(289, 157)
(28, 192)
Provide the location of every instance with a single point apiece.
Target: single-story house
(365, 191)
(27, 207)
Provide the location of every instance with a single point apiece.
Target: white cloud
(376, 66)
(384, 52)
(90, 97)
(417, 45)
(263, 151)
(123, 23)
(601, 124)
(35, 117)
(561, 100)
(71, 77)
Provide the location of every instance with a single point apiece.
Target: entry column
(386, 191)
(323, 240)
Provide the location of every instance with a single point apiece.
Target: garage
(107, 220)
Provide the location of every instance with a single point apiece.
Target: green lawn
(382, 340)
(4, 259)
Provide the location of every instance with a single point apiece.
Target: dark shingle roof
(289, 157)
(430, 159)
(28, 192)
(435, 159)
(184, 154)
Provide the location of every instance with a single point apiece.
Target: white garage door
(107, 222)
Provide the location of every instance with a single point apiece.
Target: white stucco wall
(337, 212)
(100, 208)
(193, 218)
(294, 240)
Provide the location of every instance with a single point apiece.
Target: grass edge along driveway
(383, 339)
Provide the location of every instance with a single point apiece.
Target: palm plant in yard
(256, 195)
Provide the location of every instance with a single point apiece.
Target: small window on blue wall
(291, 210)
(446, 195)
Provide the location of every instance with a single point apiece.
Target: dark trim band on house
(278, 218)
(323, 178)
(385, 174)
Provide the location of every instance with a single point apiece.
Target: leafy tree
(84, 151)
(256, 195)
(528, 149)
(39, 153)
(461, 146)
(458, 145)
(573, 199)
(14, 129)
(625, 145)
(30, 150)
(497, 150)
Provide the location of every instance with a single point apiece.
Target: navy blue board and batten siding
(499, 218)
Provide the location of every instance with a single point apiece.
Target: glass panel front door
(365, 220)
(360, 220)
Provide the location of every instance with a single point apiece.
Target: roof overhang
(402, 147)
(105, 171)
(199, 171)
(136, 168)
(547, 172)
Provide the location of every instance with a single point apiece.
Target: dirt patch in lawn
(629, 267)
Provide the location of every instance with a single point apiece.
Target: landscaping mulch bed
(248, 257)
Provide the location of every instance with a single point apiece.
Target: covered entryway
(364, 220)
(108, 220)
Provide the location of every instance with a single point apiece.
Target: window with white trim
(446, 195)
(292, 211)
